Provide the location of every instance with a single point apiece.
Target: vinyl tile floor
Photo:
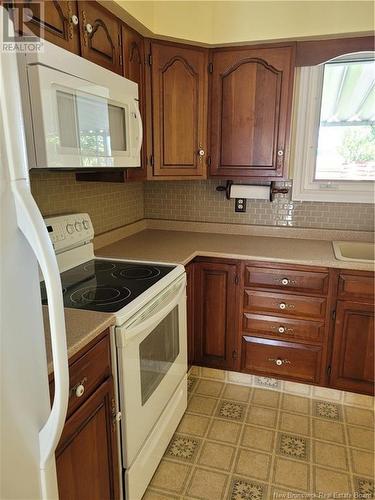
(242, 443)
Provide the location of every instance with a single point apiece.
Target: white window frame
(309, 86)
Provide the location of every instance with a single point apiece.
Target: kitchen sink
(355, 251)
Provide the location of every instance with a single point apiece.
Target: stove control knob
(70, 228)
(86, 224)
(78, 226)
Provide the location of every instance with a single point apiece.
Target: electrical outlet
(240, 205)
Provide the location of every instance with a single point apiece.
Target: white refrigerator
(30, 428)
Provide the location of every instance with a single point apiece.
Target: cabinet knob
(279, 361)
(281, 329)
(88, 28)
(282, 305)
(74, 19)
(201, 152)
(284, 281)
(80, 389)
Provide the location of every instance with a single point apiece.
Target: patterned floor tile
(329, 482)
(202, 405)
(257, 415)
(330, 455)
(207, 485)
(231, 410)
(237, 442)
(209, 388)
(324, 409)
(272, 383)
(228, 432)
(293, 446)
(364, 488)
(191, 383)
(290, 422)
(218, 456)
(170, 476)
(183, 448)
(258, 438)
(195, 425)
(253, 464)
(245, 489)
(236, 392)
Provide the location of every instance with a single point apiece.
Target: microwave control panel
(69, 231)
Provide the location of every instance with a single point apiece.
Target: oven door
(152, 360)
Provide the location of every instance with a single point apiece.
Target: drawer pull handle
(283, 305)
(285, 281)
(80, 389)
(279, 361)
(282, 329)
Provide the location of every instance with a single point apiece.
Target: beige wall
(221, 22)
(110, 205)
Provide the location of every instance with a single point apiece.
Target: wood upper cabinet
(179, 110)
(100, 36)
(86, 458)
(55, 21)
(216, 314)
(353, 348)
(133, 51)
(251, 92)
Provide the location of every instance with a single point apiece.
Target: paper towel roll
(250, 192)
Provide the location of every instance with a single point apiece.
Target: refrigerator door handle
(32, 226)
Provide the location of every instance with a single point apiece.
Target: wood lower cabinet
(87, 454)
(190, 312)
(251, 91)
(179, 110)
(352, 363)
(100, 36)
(216, 314)
(55, 21)
(86, 458)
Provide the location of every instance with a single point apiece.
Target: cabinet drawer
(282, 328)
(352, 286)
(89, 371)
(284, 304)
(283, 359)
(287, 279)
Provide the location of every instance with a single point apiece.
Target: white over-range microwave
(78, 115)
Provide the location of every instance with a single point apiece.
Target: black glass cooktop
(107, 285)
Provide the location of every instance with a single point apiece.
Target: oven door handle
(153, 320)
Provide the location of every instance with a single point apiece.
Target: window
(335, 131)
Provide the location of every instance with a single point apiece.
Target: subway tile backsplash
(199, 201)
(110, 205)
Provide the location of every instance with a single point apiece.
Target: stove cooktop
(107, 285)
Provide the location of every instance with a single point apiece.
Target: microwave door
(76, 123)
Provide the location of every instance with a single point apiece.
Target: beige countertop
(182, 246)
(81, 327)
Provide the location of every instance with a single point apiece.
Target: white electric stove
(148, 301)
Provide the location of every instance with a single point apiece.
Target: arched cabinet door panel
(179, 89)
(52, 20)
(100, 36)
(250, 111)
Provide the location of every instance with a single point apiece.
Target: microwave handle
(139, 126)
(158, 316)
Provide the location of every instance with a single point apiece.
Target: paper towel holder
(273, 190)
(225, 188)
